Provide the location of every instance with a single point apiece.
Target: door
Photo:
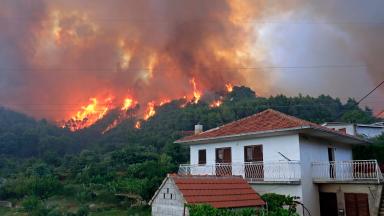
(223, 161)
(328, 204)
(356, 204)
(254, 168)
(331, 159)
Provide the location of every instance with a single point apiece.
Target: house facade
(277, 153)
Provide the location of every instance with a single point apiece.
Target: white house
(177, 192)
(364, 130)
(277, 153)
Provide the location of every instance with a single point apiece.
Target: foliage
(207, 210)
(276, 202)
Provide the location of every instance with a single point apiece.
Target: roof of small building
(266, 121)
(217, 191)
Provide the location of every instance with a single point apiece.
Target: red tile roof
(267, 120)
(218, 191)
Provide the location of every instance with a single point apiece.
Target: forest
(48, 170)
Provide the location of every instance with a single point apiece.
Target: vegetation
(277, 205)
(47, 170)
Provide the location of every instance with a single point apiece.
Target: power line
(370, 92)
(171, 69)
(121, 19)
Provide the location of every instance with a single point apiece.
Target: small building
(364, 130)
(278, 153)
(176, 192)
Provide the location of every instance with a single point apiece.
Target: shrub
(207, 210)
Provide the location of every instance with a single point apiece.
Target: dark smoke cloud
(69, 51)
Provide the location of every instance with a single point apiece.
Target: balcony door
(223, 161)
(254, 168)
(332, 165)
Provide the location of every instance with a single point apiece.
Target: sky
(56, 55)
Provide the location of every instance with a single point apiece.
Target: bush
(207, 210)
(276, 203)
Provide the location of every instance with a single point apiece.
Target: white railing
(275, 171)
(354, 170)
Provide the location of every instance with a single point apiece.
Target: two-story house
(278, 153)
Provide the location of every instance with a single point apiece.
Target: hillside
(52, 169)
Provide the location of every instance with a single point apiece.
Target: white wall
(343, 152)
(314, 149)
(287, 145)
(350, 128)
(170, 206)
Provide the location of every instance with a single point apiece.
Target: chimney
(198, 128)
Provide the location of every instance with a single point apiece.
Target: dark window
(202, 156)
(253, 153)
(167, 190)
(223, 155)
(343, 130)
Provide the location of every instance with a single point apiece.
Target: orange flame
(165, 101)
(150, 111)
(196, 92)
(216, 103)
(128, 103)
(229, 87)
(88, 114)
(138, 125)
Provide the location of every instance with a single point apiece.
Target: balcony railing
(276, 171)
(346, 171)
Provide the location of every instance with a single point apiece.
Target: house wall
(350, 128)
(170, 205)
(314, 149)
(287, 145)
(373, 191)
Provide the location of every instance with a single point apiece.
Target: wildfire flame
(216, 103)
(128, 103)
(88, 114)
(229, 87)
(196, 92)
(138, 125)
(150, 111)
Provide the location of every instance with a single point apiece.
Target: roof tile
(220, 192)
(267, 120)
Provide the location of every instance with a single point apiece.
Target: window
(202, 157)
(253, 153)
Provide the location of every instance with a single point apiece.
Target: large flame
(88, 114)
(196, 92)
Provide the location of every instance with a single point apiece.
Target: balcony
(285, 172)
(355, 171)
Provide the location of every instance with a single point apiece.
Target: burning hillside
(129, 107)
(80, 60)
